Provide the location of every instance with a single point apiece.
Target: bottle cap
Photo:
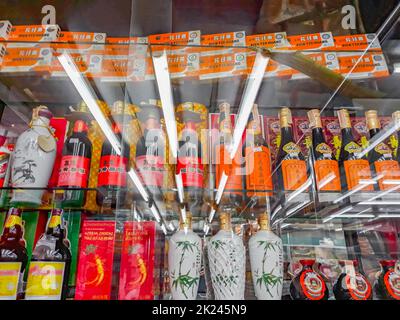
(396, 116)
(263, 221)
(254, 121)
(80, 126)
(314, 118)
(42, 111)
(55, 218)
(225, 221)
(388, 263)
(344, 118)
(307, 262)
(225, 125)
(187, 223)
(14, 211)
(82, 107)
(372, 119)
(285, 117)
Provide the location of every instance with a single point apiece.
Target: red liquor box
(137, 272)
(273, 135)
(302, 134)
(95, 263)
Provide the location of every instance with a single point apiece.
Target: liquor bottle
(380, 157)
(13, 256)
(326, 167)
(387, 286)
(308, 284)
(184, 261)
(290, 163)
(50, 262)
(33, 160)
(352, 284)
(396, 120)
(189, 164)
(227, 260)
(266, 260)
(112, 178)
(150, 150)
(232, 195)
(75, 166)
(258, 160)
(352, 163)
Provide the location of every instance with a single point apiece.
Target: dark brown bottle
(308, 284)
(13, 256)
(352, 284)
(112, 177)
(387, 286)
(50, 262)
(75, 166)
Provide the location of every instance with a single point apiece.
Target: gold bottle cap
(344, 118)
(372, 119)
(263, 221)
(285, 117)
(118, 107)
(225, 221)
(82, 107)
(225, 125)
(314, 118)
(254, 125)
(187, 223)
(396, 116)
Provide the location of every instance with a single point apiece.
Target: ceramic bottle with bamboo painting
(227, 260)
(184, 261)
(266, 252)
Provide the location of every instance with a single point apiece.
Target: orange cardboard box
(5, 29)
(223, 65)
(371, 65)
(179, 66)
(226, 41)
(327, 59)
(80, 42)
(177, 43)
(126, 46)
(27, 59)
(357, 42)
(87, 64)
(122, 68)
(313, 41)
(29, 35)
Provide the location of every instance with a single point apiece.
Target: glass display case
(200, 150)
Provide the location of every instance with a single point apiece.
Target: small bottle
(75, 166)
(112, 177)
(352, 284)
(387, 286)
(308, 284)
(380, 157)
(326, 167)
(352, 162)
(13, 256)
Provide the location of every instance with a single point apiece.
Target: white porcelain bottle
(184, 261)
(33, 159)
(227, 260)
(266, 259)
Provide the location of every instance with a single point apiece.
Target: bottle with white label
(13, 256)
(184, 261)
(33, 160)
(265, 249)
(50, 262)
(227, 259)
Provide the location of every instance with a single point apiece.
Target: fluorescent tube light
(344, 210)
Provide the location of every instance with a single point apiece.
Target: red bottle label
(392, 283)
(191, 170)
(74, 171)
(151, 169)
(312, 284)
(137, 261)
(112, 171)
(358, 287)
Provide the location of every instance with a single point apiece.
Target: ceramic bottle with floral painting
(33, 159)
(184, 261)
(266, 259)
(227, 260)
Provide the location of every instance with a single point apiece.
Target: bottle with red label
(387, 286)
(112, 177)
(380, 156)
(150, 150)
(50, 263)
(352, 284)
(308, 284)
(75, 166)
(233, 194)
(190, 165)
(326, 167)
(258, 161)
(13, 256)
